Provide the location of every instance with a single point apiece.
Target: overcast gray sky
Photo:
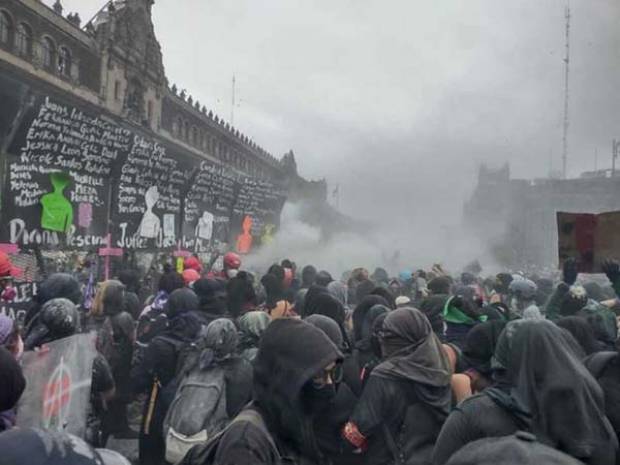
(401, 99)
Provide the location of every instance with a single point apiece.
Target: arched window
(48, 49)
(23, 40)
(6, 28)
(186, 130)
(194, 139)
(64, 61)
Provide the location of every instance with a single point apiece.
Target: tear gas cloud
(394, 250)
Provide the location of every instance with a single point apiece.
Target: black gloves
(612, 269)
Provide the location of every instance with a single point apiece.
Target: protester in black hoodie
(154, 373)
(364, 315)
(115, 339)
(407, 397)
(211, 299)
(308, 276)
(325, 304)
(241, 295)
(329, 423)
(433, 305)
(543, 388)
(274, 290)
(292, 382)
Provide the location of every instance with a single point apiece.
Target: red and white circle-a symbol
(57, 397)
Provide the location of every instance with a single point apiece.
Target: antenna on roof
(566, 74)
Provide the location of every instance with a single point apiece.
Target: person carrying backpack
(294, 374)
(115, 339)
(153, 373)
(212, 389)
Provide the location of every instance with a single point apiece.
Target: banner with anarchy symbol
(58, 378)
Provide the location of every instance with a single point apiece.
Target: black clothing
(291, 354)
(245, 443)
(480, 346)
(432, 307)
(238, 376)
(12, 380)
(540, 365)
(520, 449)
(211, 298)
(327, 305)
(181, 301)
(583, 333)
(386, 294)
(274, 289)
(131, 305)
(609, 380)
(158, 366)
(328, 426)
(313, 292)
(407, 397)
(475, 418)
(363, 289)
(240, 291)
(390, 402)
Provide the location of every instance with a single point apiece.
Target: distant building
(517, 217)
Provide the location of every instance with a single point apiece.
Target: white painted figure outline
(204, 228)
(150, 225)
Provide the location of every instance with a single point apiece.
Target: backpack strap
(597, 362)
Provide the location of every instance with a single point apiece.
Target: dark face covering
(413, 353)
(291, 354)
(547, 381)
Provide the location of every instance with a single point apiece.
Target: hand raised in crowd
(569, 271)
(611, 268)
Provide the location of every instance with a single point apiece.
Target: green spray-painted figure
(57, 212)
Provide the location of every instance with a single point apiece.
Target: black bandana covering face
(542, 374)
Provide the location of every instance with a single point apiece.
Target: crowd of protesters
(298, 366)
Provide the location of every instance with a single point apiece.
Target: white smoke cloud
(391, 246)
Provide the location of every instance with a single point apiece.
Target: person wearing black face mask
(332, 399)
(406, 398)
(292, 377)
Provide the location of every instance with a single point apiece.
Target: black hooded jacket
(545, 390)
(364, 315)
(291, 354)
(407, 397)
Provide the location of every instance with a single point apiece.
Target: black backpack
(204, 454)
